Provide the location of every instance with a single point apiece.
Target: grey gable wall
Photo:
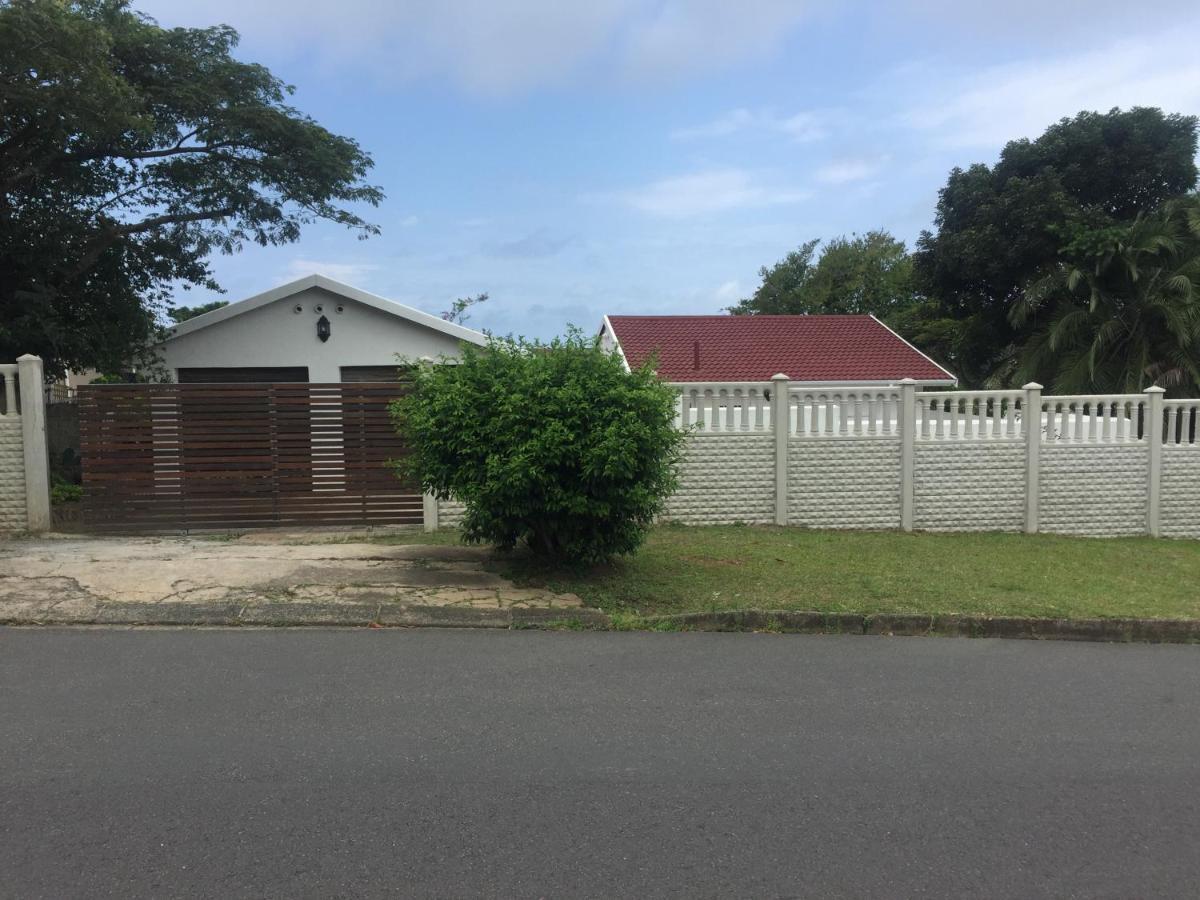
(276, 335)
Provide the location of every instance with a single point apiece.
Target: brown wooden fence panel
(219, 456)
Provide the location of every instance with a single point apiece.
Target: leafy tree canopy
(128, 154)
(869, 273)
(183, 313)
(1122, 309)
(460, 309)
(554, 446)
(998, 228)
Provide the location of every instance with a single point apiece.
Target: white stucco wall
(276, 335)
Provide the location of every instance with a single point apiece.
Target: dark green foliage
(183, 313)
(999, 228)
(128, 154)
(63, 491)
(460, 309)
(555, 446)
(870, 273)
(1122, 310)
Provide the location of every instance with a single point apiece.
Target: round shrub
(552, 445)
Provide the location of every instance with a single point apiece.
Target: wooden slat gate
(222, 456)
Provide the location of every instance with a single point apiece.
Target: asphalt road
(526, 764)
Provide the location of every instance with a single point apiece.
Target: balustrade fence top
(830, 412)
(8, 374)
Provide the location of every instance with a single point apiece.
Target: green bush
(63, 491)
(552, 445)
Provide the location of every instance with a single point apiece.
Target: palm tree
(1123, 308)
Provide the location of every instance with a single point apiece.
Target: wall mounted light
(323, 329)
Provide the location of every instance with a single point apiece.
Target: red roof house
(813, 349)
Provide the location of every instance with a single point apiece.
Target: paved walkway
(252, 579)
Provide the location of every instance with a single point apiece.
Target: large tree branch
(172, 219)
(109, 236)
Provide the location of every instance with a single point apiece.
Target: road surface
(313, 763)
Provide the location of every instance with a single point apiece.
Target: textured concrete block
(1094, 490)
(725, 478)
(12, 476)
(844, 483)
(1180, 496)
(969, 486)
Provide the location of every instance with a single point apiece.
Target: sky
(577, 159)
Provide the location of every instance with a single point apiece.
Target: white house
(314, 329)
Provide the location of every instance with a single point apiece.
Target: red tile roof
(753, 348)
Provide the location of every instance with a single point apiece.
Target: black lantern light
(323, 329)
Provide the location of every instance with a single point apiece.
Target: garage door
(390, 373)
(244, 375)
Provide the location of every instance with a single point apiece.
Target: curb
(375, 615)
(286, 615)
(1155, 631)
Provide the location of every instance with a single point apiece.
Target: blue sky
(641, 156)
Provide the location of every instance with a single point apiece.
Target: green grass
(684, 569)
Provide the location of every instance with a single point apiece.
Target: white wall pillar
(781, 422)
(1031, 417)
(33, 437)
(908, 428)
(429, 506)
(1154, 442)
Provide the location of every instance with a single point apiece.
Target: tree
(459, 310)
(999, 228)
(554, 446)
(183, 313)
(1124, 308)
(128, 154)
(870, 273)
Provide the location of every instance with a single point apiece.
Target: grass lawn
(682, 569)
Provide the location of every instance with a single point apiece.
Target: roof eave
(334, 287)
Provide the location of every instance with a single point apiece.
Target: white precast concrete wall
(844, 483)
(1098, 491)
(893, 457)
(969, 486)
(1180, 508)
(1097, 466)
(12, 474)
(726, 478)
(450, 513)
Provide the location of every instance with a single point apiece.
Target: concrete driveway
(65, 579)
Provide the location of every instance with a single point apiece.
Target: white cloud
(500, 48)
(1056, 23)
(803, 127)
(351, 273)
(728, 292)
(999, 103)
(409, 221)
(846, 171)
(680, 37)
(707, 192)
